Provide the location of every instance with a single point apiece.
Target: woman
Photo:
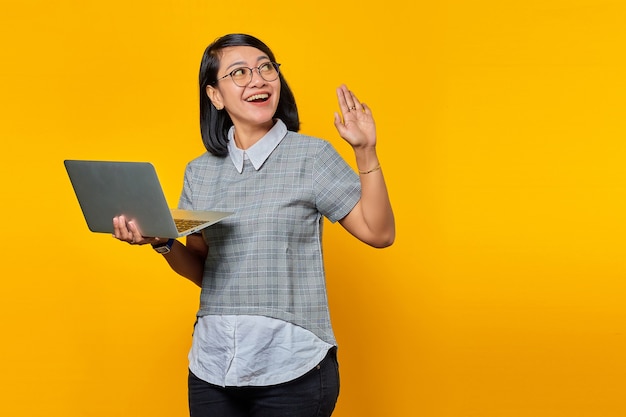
(263, 344)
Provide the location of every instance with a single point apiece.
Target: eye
(239, 72)
(267, 68)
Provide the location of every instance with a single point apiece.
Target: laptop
(106, 189)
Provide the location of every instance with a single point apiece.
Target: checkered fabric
(266, 259)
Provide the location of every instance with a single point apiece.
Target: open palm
(358, 127)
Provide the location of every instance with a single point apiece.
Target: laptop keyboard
(185, 224)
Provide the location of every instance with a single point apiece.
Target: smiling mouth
(258, 98)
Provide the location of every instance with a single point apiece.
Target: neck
(246, 136)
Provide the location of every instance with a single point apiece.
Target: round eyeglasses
(242, 76)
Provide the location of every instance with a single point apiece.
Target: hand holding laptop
(131, 193)
(127, 231)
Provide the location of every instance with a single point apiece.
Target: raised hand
(358, 127)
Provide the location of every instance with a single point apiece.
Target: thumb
(338, 125)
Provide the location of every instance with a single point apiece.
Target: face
(252, 105)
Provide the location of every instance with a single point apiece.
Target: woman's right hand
(186, 260)
(127, 231)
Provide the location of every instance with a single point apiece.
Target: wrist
(164, 247)
(367, 160)
(369, 171)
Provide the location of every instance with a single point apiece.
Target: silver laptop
(106, 189)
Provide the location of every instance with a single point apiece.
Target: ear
(215, 97)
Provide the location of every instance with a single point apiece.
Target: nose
(256, 78)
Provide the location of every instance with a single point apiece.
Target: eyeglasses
(242, 76)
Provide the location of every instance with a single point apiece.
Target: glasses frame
(276, 65)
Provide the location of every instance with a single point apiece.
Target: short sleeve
(337, 186)
(185, 200)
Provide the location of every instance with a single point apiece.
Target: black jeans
(312, 395)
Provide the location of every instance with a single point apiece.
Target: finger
(126, 233)
(116, 227)
(352, 101)
(341, 97)
(356, 103)
(135, 233)
(131, 231)
(339, 124)
(119, 227)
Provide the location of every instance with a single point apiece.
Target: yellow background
(501, 133)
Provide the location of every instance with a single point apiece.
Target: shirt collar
(260, 151)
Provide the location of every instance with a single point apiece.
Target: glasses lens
(269, 71)
(241, 76)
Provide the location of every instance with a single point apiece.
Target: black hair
(214, 124)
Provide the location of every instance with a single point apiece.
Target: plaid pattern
(266, 259)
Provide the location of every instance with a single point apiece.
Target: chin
(263, 117)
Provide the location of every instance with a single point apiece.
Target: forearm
(375, 205)
(186, 263)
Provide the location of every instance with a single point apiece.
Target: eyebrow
(239, 63)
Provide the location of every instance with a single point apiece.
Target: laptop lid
(106, 189)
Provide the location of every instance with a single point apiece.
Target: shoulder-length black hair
(214, 124)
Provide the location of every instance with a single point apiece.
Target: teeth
(258, 97)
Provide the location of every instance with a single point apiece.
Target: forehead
(233, 55)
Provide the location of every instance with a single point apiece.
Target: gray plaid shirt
(266, 259)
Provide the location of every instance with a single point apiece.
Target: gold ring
(353, 108)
